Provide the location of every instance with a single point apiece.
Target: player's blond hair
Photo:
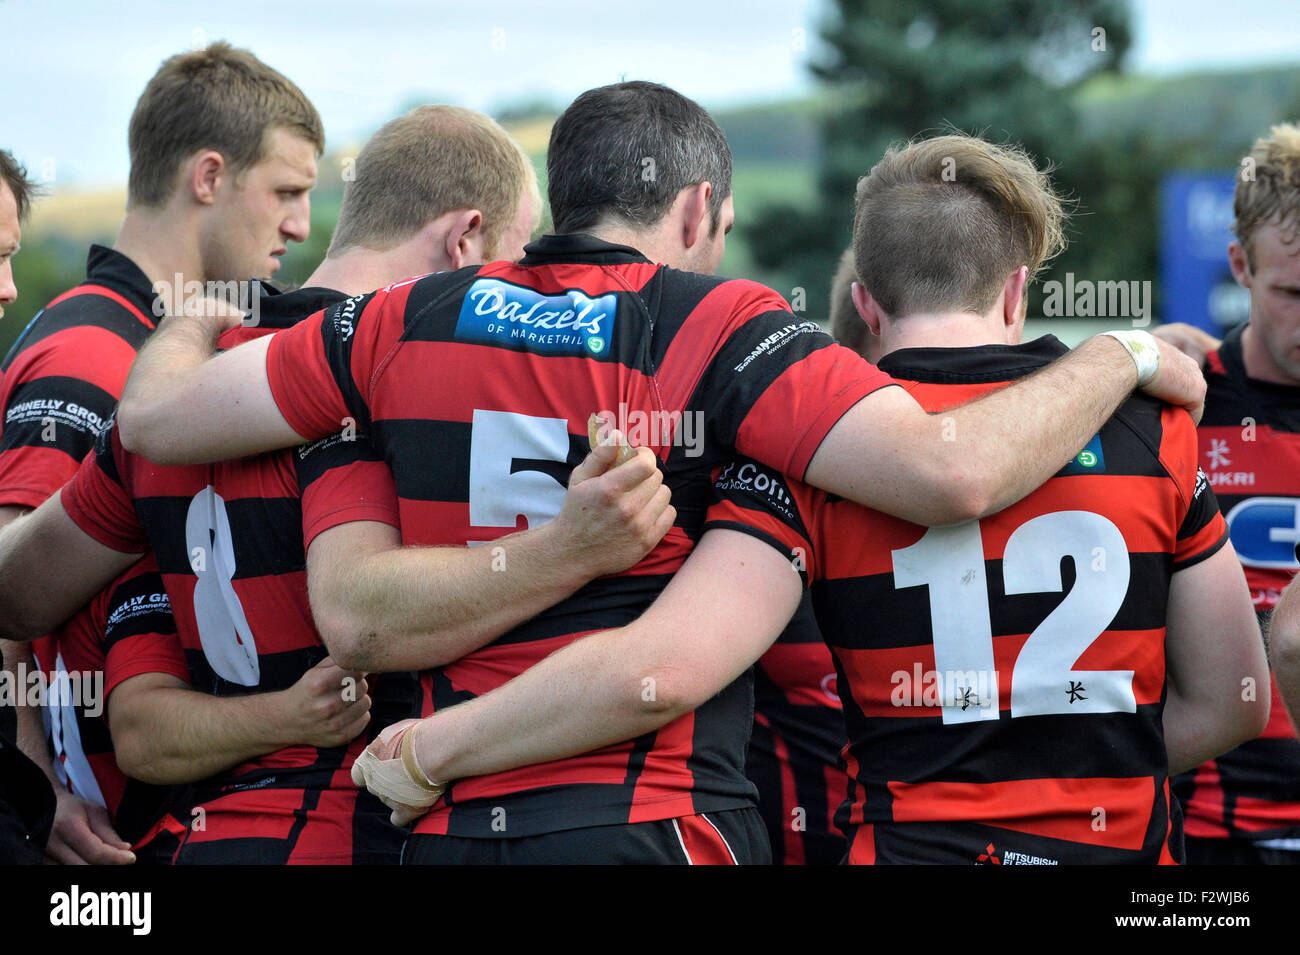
(433, 160)
(942, 222)
(1268, 188)
(847, 326)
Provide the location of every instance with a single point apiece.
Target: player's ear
(464, 238)
(1015, 296)
(1240, 264)
(694, 205)
(867, 306)
(204, 174)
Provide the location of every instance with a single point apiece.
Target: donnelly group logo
(571, 323)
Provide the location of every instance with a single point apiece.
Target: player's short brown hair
(847, 326)
(219, 98)
(433, 160)
(627, 150)
(13, 175)
(942, 222)
(1268, 188)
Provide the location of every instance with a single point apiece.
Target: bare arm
(166, 732)
(1218, 692)
(49, 568)
(976, 459)
(1284, 647)
(727, 604)
(177, 371)
(381, 607)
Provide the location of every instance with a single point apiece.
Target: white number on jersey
(950, 561)
(227, 639)
(498, 492)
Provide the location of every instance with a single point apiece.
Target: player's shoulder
(1142, 413)
(424, 290)
(76, 319)
(737, 293)
(1146, 436)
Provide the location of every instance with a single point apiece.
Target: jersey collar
(113, 270)
(284, 309)
(981, 363)
(578, 247)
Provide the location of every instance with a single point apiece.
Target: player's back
(477, 387)
(228, 541)
(1003, 680)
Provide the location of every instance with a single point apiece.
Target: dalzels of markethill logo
(570, 323)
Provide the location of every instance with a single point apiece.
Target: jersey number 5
(514, 465)
(950, 561)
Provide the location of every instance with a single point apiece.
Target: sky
(72, 69)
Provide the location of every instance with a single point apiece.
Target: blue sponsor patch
(1088, 461)
(1265, 531)
(573, 323)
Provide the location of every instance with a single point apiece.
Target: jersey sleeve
(343, 479)
(98, 503)
(139, 629)
(58, 401)
(779, 383)
(756, 500)
(1202, 530)
(321, 369)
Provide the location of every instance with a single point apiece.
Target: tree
(1003, 69)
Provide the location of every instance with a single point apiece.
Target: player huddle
(358, 585)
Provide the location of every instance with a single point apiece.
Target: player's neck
(944, 330)
(356, 271)
(1257, 361)
(648, 242)
(162, 245)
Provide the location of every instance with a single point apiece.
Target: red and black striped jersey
(477, 386)
(794, 757)
(975, 659)
(1250, 450)
(61, 380)
(229, 542)
(127, 630)
(59, 384)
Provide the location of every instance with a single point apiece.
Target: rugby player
(1039, 754)
(26, 796)
(1244, 806)
(223, 155)
(466, 190)
(793, 758)
(847, 326)
(500, 367)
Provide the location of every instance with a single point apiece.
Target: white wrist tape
(1144, 351)
(389, 780)
(392, 780)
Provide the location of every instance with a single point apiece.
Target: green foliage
(1004, 69)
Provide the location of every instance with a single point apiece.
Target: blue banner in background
(1195, 228)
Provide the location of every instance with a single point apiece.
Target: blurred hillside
(1196, 121)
